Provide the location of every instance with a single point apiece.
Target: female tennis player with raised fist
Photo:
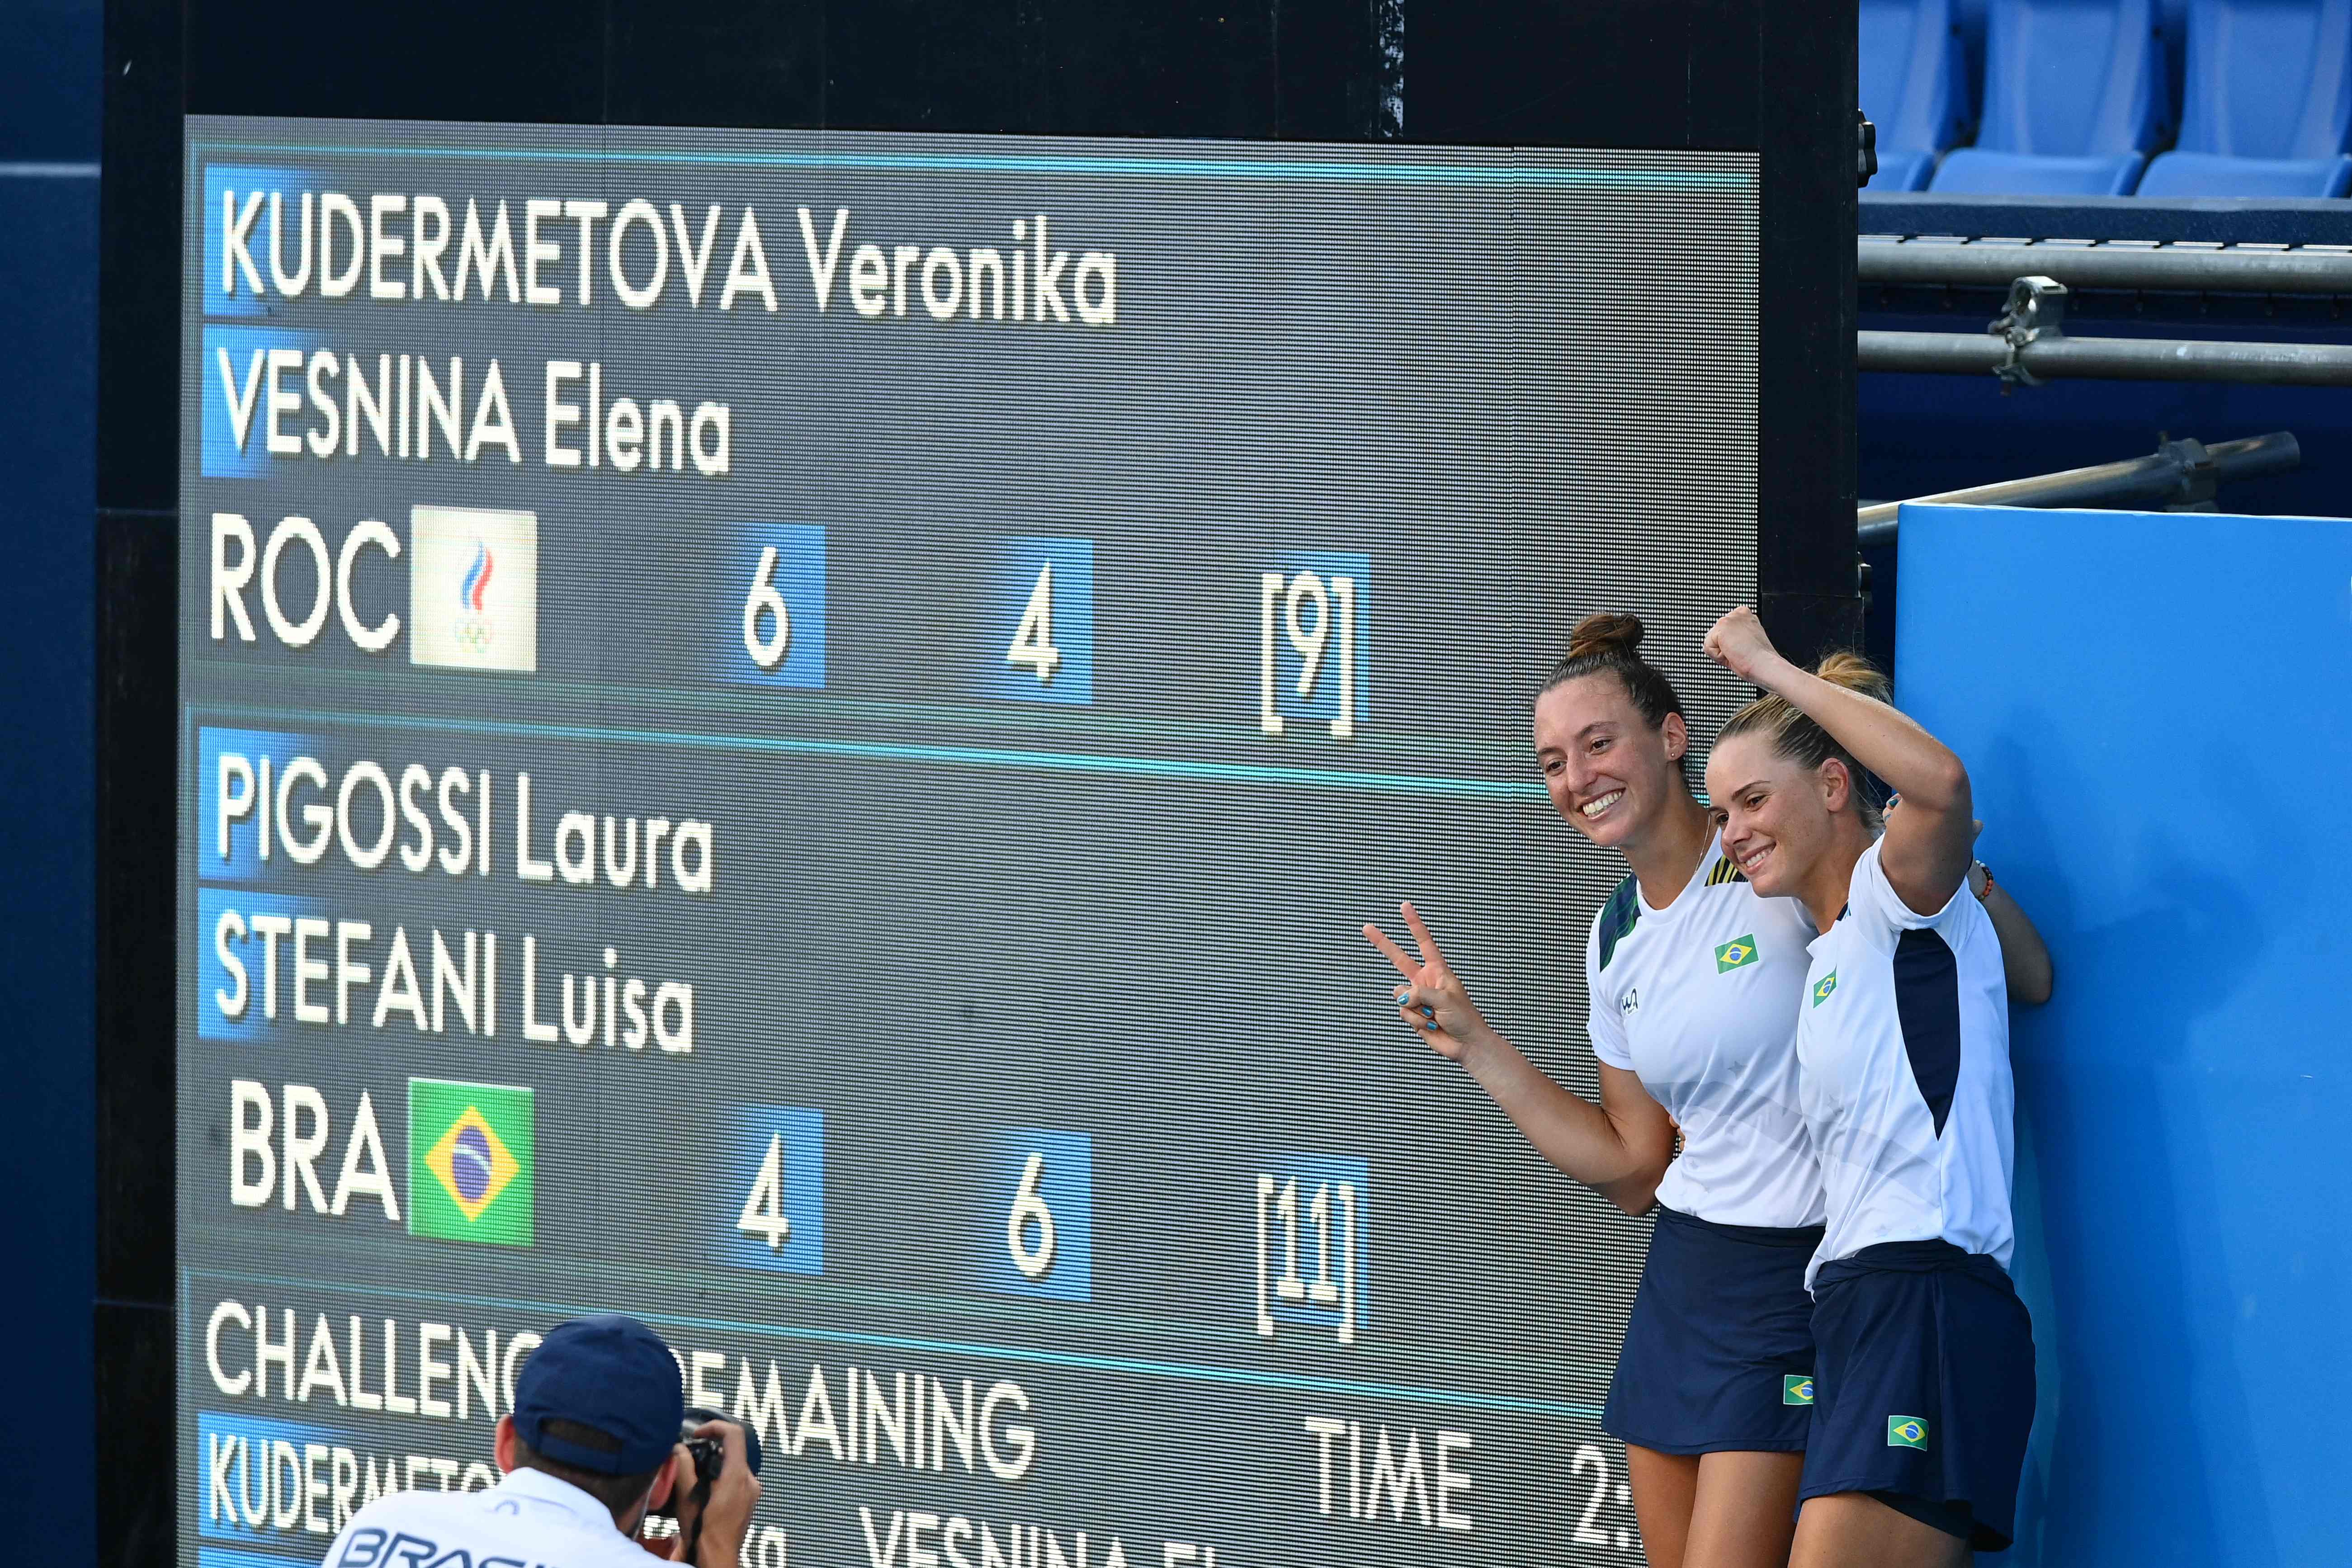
(1924, 1369)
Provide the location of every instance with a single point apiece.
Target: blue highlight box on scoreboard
(771, 606)
(1037, 642)
(773, 1192)
(228, 846)
(234, 1006)
(235, 398)
(1036, 1231)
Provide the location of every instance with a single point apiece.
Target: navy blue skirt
(1925, 1396)
(1720, 1353)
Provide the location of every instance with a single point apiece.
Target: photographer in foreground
(599, 1440)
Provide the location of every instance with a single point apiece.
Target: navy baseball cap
(609, 1372)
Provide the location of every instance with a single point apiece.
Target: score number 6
(1029, 1211)
(766, 652)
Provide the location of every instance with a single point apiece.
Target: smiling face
(1609, 772)
(1778, 817)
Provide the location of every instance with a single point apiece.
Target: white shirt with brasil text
(530, 1520)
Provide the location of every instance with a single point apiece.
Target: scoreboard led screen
(791, 734)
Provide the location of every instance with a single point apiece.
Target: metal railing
(1995, 263)
(2181, 473)
(2028, 343)
(2114, 359)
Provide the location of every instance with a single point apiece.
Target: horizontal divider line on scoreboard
(1054, 163)
(983, 756)
(1099, 725)
(1299, 1383)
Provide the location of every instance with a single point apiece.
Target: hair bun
(1857, 673)
(1605, 634)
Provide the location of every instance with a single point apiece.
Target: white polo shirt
(530, 1520)
(1904, 1039)
(1699, 999)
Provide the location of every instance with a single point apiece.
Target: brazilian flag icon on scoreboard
(469, 1162)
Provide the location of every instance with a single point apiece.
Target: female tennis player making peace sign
(1924, 1370)
(1694, 981)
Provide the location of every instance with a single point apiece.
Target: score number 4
(1310, 608)
(780, 1224)
(763, 1215)
(1043, 589)
(1033, 639)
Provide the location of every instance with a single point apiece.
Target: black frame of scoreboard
(1774, 77)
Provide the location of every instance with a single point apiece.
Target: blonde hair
(1794, 735)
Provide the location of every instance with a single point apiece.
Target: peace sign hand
(1432, 1001)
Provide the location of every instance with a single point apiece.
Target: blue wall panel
(48, 329)
(49, 85)
(2158, 713)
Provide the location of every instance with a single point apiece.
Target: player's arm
(2024, 957)
(1930, 844)
(1620, 1148)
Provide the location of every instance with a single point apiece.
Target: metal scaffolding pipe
(1990, 264)
(2113, 359)
(2173, 472)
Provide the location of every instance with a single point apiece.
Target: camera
(709, 1456)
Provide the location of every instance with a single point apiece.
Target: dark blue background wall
(2153, 711)
(49, 89)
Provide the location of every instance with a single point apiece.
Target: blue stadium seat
(1912, 87)
(2267, 106)
(2074, 97)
